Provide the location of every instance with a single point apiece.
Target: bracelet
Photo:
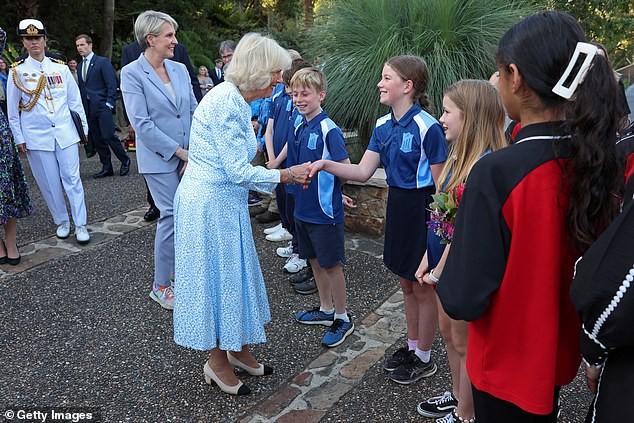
(291, 174)
(433, 278)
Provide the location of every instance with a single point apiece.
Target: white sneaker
(294, 264)
(81, 233)
(273, 229)
(63, 229)
(285, 252)
(282, 235)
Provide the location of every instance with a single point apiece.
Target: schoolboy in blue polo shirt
(319, 207)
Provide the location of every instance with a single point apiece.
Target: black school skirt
(406, 229)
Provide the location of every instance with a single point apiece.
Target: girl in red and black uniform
(527, 213)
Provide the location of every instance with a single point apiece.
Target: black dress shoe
(152, 214)
(125, 168)
(267, 217)
(103, 174)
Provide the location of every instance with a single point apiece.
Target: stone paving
(77, 329)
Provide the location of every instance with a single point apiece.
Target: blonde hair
(482, 115)
(310, 77)
(149, 22)
(254, 59)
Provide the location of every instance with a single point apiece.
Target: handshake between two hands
(303, 173)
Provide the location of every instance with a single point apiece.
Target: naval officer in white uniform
(40, 95)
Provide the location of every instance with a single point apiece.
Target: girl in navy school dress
(473, 121)
(411, 146)
(528, 212)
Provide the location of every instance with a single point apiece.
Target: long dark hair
(541, 47)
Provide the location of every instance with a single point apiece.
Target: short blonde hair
(254, 59)
(149, 22)
(310, 77)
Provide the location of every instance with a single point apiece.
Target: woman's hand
(297, 174)
(182, 154)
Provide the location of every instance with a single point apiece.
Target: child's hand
(347, 202)
(315, 167)
(423, 269)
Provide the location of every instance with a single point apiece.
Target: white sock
(411, 344)
(343, 316)
(424, 356)
(331, 311)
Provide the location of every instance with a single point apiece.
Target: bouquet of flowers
(443, 213)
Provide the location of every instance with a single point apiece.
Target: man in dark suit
(130, 53)
(216, 74)
(98, 87)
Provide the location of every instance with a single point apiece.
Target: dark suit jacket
(132, 51)
(214, 77)
(100, 86)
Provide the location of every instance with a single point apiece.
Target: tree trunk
(108, 28)
(309, 12)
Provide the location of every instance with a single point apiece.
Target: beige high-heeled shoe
(239, 389)
(261, 370)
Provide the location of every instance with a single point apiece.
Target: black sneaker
(300, 277)
(412, 370)
(438, 406)
(399, 357)
(306, 288)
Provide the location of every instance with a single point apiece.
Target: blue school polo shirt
(282, 114)
(321, 202)
(408, 147)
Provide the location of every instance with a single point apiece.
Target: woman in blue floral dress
(14, 191)
(220, 301)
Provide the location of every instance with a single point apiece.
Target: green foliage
(610, 22)
(353, 38)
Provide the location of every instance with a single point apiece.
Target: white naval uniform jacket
(48, 122)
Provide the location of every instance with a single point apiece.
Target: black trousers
(490, 409)
(101, 132)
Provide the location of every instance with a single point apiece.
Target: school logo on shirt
(312, 141)
(406, 143)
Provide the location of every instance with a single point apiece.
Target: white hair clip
(567, 91)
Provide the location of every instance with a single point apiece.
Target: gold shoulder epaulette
(61, 62)
(19, 62)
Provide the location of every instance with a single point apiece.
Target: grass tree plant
(352, 39)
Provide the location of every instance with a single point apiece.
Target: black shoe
(399, 357)
(125, 168)
(90, 154)
(267, 217)
(254, 211)
(152, 214)
(301, 276)
(306, 288)
(103, 174)
(412, 370)
(438, 406)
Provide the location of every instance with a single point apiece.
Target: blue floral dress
(219, 293)
(14, 190)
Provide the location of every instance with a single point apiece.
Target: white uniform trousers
(163, 189)
(51, 170)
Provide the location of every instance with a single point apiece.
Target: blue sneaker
(314, 317)
(337, 333)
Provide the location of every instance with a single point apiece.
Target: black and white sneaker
(413, 370)
(438, 406)
(399, 357)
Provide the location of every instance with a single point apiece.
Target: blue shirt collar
(407, 117)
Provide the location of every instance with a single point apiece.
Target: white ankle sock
(343, 316)
(331, 311)
(411, 344)
(424, 356)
